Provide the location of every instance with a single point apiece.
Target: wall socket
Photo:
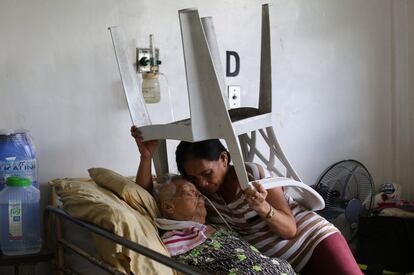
(234, 96)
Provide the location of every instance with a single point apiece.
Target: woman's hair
(210, 149)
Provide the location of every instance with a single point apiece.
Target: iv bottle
(151, 87)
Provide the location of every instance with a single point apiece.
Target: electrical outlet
(234, 96)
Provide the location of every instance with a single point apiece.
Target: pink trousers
(332, 256)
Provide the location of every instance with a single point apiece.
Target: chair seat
(244, 121)
(178, 130)
(250, 124)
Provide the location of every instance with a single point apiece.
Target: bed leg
(60, 261)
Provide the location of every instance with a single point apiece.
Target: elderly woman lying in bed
(210, 248)
(217, 250)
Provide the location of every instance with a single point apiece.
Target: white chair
(210, 117)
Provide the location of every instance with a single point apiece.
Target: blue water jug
(17, 157)
(19, 217)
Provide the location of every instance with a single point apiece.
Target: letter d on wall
(237, 63)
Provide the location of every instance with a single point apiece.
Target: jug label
(22, 168)
(14, 166)
(15, 220)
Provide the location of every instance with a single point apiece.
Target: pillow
(136, 196)
(87, 201)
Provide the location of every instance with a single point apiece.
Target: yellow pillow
(85, 200)
(136, 196)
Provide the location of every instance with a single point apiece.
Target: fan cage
(342, 182)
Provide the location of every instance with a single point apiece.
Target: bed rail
(186, 269)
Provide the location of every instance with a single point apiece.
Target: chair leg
(132, 88)
(265, 95)
(161, 160)
(210, 33)
(236, 156)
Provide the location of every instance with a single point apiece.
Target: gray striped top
(311, 228)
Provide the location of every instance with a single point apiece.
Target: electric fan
(347, 188)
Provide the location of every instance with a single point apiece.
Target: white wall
(332, 82)
(331, 71)
(403, 19)
(409, 162)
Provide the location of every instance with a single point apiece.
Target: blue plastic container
(17, 157)
(19, 217)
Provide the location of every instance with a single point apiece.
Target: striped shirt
(182, 235)
(311, 228)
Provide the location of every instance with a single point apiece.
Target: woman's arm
(144, 174)
(146, 149)
(273, 207)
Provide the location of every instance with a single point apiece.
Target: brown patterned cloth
(225, 252)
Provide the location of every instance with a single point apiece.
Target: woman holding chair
(268, 219)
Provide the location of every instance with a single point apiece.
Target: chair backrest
(210, 34)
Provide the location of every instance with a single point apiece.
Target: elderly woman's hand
(256, 198)
(146, 148)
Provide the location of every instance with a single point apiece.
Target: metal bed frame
(57, 242)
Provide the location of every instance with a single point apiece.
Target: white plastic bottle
(151, 88)
(19, 217)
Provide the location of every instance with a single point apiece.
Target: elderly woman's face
(206, 174)
(188, 203)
